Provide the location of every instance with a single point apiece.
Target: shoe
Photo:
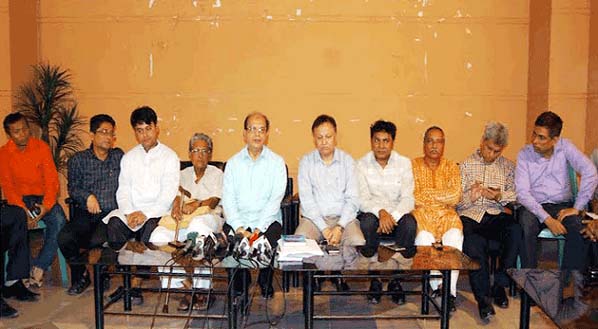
(375, 292)
(136, 296)
(500, 297)
(200, 302)
(7, 311)
(20, 292)
(395, 287)
(37, 277)
(79, 285)
(486, 311)
(340, 285)
(451, 304)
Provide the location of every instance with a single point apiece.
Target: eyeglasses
(255, 130)
(105, 132)
(201, 151)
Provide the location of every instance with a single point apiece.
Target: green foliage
(47, 101)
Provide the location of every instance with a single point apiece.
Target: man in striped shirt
(487, 180)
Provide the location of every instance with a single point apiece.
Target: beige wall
(203, 68)
(203, 65)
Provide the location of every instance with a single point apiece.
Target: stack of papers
(293, 252)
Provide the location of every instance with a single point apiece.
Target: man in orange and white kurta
(437, 192)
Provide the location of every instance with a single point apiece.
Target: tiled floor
(56, 309)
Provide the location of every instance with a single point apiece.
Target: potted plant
(47, 102)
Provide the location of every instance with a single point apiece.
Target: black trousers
(576, 247)
(83, 231)
(501, 228)
(13, 234)
(273, 234)
(403, 234)
(119, 233)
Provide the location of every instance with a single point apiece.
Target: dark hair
(12, 118)
(322, 119)
(550, 121)
(383, 126)
(430, 129)
(144, 114)
(97, 120)
(256, 113)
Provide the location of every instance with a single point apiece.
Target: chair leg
(63, 269)
(561, 250)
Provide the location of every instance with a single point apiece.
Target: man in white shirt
(147, 184)
(203, 182)
(386, 195)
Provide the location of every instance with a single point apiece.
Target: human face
(256, 134)
(382, 145)
(325, 139)
(200, 154)
(490, 151)
(19, 132)
(434, 144)
(103, 138)
(542, 142)
(147, 135)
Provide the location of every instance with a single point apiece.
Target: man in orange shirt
(29, 180)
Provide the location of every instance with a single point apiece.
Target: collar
(245, 153)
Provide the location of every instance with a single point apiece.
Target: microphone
(188, 245)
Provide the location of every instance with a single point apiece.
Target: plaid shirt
(498, 174)
(89, 175)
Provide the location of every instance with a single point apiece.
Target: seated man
(147, 184)
(29, 179)
(487, 180)
(328, 191)
(386, 194)
(13, 234)
(199, 212)
(437, 192)
(544, 190)
(92, 183)
(255, 180)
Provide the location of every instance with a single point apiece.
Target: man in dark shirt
(92, 184)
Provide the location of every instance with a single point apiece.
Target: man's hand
(475, 191)
(190, 207)
(555, 226)
(491, 194)
(93, 206)
(336, 235)
(567, 212)
(32, 222)
(211, 202)
(591, 231)
(386, 222)
(327, 233)
(241, 230)
(135, 219)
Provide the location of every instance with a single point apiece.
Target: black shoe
(79, 285)
(486, 311)
(399, 296)
(340, 285)
(20, 292)
(6, 311)
(136, 296)
(500, 297)
(375, 292)
(451, 304)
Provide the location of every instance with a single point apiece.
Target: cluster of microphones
(218, 245)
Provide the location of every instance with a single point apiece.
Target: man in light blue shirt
(254, 184)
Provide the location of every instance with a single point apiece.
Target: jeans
(54, 220)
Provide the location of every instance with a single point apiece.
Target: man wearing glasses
(254, 184)
(92, 183)
(197, 209)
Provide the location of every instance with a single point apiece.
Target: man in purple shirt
(543, 188)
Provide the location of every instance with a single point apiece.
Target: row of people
(415, 202)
